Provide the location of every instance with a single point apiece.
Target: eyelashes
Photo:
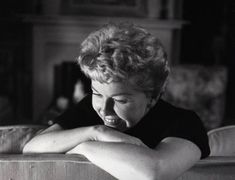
(121, 101)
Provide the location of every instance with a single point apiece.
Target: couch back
(71, 167)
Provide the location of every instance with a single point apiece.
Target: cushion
(222, 141)
(13, 138)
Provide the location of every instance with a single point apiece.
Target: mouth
(112, 122)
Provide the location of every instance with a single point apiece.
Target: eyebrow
(118, 94)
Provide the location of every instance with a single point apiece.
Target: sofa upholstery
(222, 141)
(76, 167)
(49, 167)
(13, 138)
(212, 168)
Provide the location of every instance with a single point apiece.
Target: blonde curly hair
(119, 52)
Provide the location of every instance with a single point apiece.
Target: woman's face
(118, 104)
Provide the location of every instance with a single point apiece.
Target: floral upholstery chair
(201, 89)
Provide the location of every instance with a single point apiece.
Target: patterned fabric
(201, 89)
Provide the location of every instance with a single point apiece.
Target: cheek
(96, 103)
(131, 113)
(122, 110)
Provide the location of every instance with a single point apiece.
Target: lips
(113, 122)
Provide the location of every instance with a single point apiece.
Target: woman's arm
(57, 140)
(171, 158)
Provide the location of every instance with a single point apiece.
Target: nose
(107, 107)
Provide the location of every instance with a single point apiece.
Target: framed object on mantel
(135, 8)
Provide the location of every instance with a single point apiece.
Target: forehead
(114, 88)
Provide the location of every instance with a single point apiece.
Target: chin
(119, 127)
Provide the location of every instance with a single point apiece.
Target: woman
(124, 127)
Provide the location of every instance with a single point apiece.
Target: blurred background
(39, 42)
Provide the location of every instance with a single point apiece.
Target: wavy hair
(119, 52)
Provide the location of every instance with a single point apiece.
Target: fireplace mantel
(57, 38)
(97, 21)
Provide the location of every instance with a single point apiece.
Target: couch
(17, 166)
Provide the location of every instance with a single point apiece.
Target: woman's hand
(106, 134)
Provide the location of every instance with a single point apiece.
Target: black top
(163, 120)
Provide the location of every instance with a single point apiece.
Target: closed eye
(96, 94)
(122, 101)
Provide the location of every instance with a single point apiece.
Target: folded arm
(57, 140)
(126, 160)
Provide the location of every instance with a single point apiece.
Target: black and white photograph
(117, 89)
